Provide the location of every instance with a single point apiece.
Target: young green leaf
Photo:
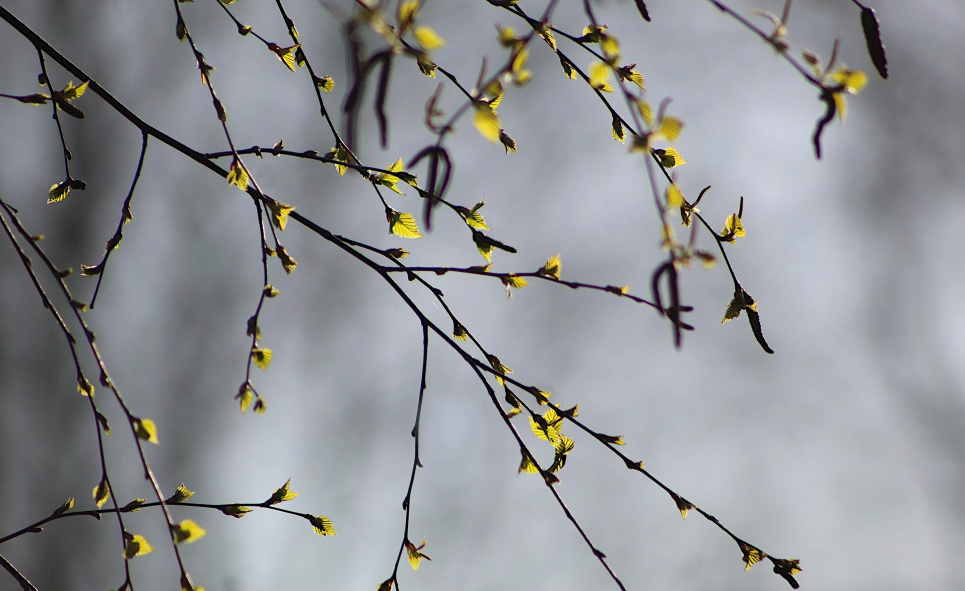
(237, 175)
(428, 39)
(402, 224)
(146, 430)
(261, 357)
(188, 532)
(552, 267)
(486, 122)
(279, 214)
(101, 492)
(67, 506)
(236, 511)
(180, 495)
(751, 555)
(323, 526)
(136, 546)
(415, 553)
(284, 493)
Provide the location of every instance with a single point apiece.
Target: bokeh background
(845, 449)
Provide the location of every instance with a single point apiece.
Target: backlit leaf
(486, 122)
(552, 267)
(67, 506)
(674, 197)
(237, 175)
(288, 262)
(58, 192)
(180, 495)
(279, 214)
(188, 532)
(146, 430)
(683, 505)
(515, 281)
(323, 526)
(751, 555)
(261, 357)
(428, 38)
(101, 492)
(236, 511)
(284, 493)
(669, 157)
(136, 546)
(403, 224)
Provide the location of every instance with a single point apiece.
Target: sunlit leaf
(236, 511)
(65, 507)
(188, 532)
(428, 38)
(136, 546)
(751, 555)
(58, 192)
(323, 526)
(279, 214)
(237, 175)
(599, 74)
(261, 357)
(683, 505)
(146, 430)
(459, 332)
(284, 493)
(486, 122)
(84, 387)
(415, 553)
(180, 495)
(552, 267)
(285, 54)
(527, 465)
(670, 128)
(515, 281)
(403, 224)
(733, 228)
(288, 262)
(101, 492)
(674, 197)
(669, 157)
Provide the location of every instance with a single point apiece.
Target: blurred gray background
(845, 449)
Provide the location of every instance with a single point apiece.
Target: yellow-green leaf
(180, 495)
(428, 38)
(101, 492)
(287, 261)
(486, 122)
(670, 157)
(236, 511)
(403, 224)
(323, 526)
(285, 54)
(683, 505)
(237, 175)
(67, 506)
(527, 465)
(284, 493)
(146, 430)
(326, 83)
(459, 332)
(415, 554)
(670, 128)
(407, 11)
(84, 387)
(599, 74)
(733, 228)
(674, 197)
(58, 192)
(733, 309)
(341, 155)
(279, 214)
(136, 546)
(751, 555)
(515, 281)
(552, 267)
(188, 532)
(261, 357)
